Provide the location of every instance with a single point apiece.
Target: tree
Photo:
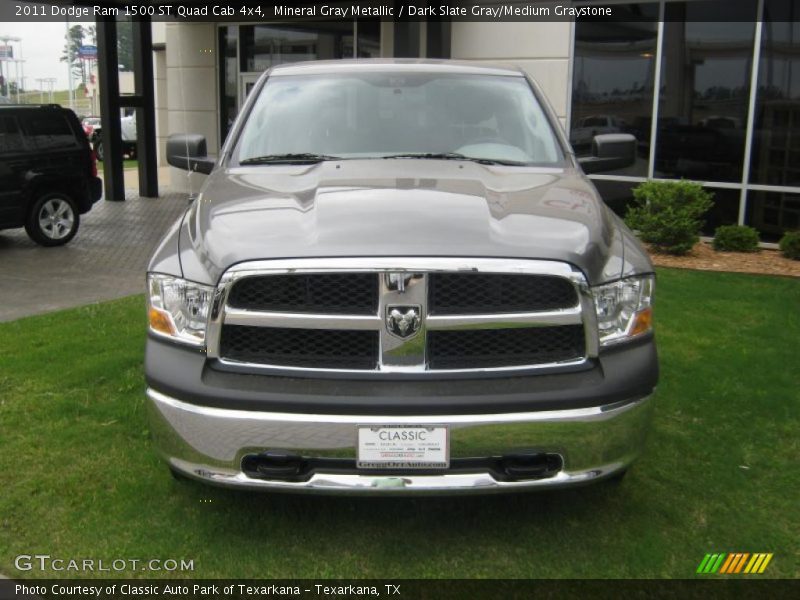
(125, 45)
(75, 36)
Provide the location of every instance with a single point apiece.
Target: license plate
(403, 447)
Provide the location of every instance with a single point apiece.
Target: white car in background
(128, 126)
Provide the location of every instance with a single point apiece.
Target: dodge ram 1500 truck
(397, 279)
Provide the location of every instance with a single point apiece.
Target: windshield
(379, 115)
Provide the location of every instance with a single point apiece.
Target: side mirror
(610, 151)
(188, 152)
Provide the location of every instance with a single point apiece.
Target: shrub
(668, 214)
(790, 245)
(735, 238)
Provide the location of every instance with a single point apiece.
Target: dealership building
(711, 100)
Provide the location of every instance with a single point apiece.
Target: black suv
(48, 173)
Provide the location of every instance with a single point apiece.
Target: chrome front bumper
(208, 444)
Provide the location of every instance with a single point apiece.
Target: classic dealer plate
(403, 447)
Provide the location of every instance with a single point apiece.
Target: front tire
(53, 219)
(98, 150)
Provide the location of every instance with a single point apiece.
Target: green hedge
(668, 214)
(735, 238)
(790, 245)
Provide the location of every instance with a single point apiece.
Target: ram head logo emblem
(403, 321)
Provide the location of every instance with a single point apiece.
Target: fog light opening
(533, 465)
(274, 464)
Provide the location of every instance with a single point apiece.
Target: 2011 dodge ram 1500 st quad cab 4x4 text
(397, 279)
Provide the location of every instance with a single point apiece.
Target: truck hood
(397, 207)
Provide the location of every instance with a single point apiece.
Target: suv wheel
(98, 150)
(53, 220)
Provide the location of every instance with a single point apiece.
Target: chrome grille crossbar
(252, 318)
(403, 284)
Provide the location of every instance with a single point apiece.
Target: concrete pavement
(106, 259)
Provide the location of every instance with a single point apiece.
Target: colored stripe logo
(734, 563)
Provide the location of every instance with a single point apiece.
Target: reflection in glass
(776, 137)
(773, 213)
(724, 211)
(369, 38)
(264, 46)
(705, 86)
(617, 195)
(612, 85)
(10, 136)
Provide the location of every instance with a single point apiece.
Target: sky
(41, 47)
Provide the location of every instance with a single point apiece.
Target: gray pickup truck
(397, 279)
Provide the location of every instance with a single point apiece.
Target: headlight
(178, 308)
(624, 308)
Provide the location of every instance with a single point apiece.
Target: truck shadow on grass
(577, 502)
(516, 534)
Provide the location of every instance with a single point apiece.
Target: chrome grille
(487, 348)
(313, 348)
(343, 293)
(405, 315)
(465, 293)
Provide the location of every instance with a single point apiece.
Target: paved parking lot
(106, 259)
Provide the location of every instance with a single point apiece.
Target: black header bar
(495, 11)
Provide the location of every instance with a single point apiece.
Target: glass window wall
(613, 77)
(705, 87)
(705, 127)
(775, 159)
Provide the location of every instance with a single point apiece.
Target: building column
(146, 112)
(541, 49)
(192, 94)
(108, 80)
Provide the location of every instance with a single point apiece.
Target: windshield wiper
(455, 156)
(297, 158)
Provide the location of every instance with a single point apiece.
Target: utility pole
(16, 77)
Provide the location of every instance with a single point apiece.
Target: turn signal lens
(160, 321)
(642, 321)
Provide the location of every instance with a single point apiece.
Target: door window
(10, 136)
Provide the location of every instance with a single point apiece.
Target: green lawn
(720, 473)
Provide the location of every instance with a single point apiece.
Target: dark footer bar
(199, 589)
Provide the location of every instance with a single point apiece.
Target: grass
(82, 105)
(719, 474)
